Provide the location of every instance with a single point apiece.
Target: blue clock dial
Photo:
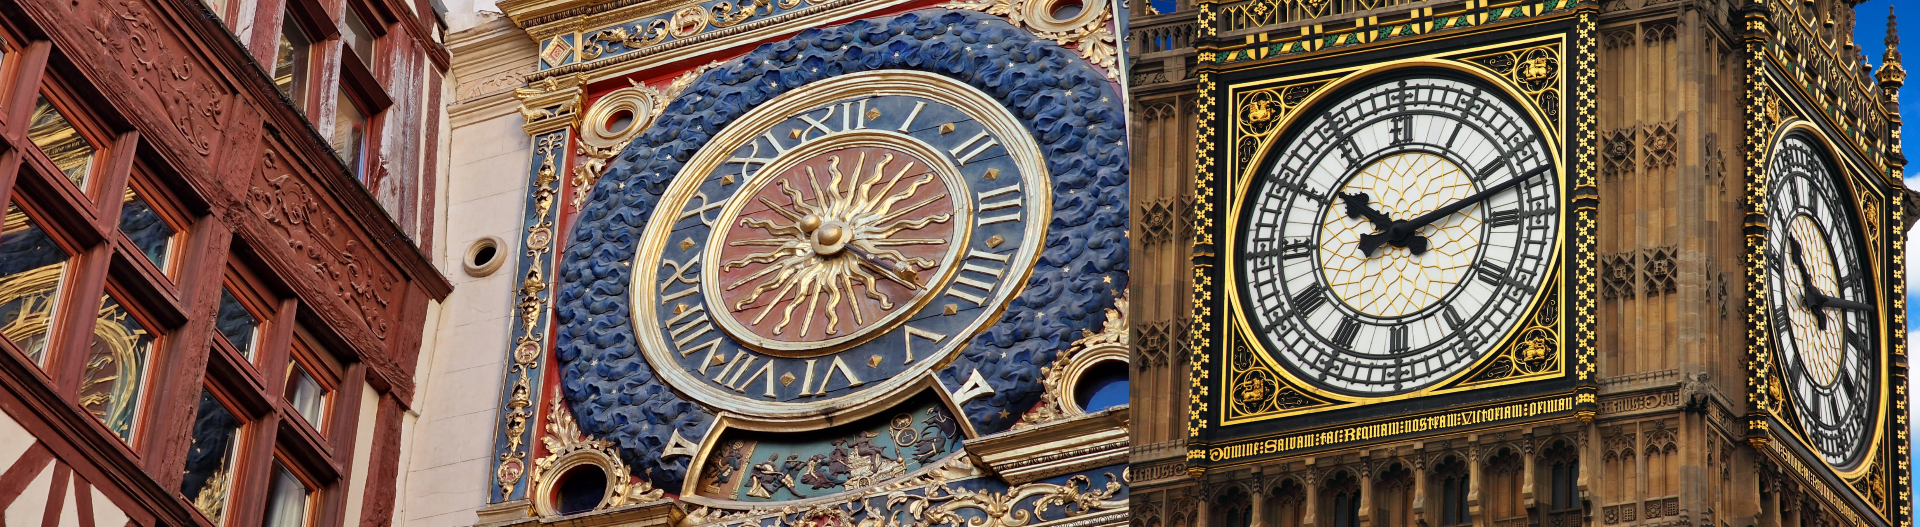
(846, 245)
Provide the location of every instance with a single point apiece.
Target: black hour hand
(1359, 205)
(1415, 244)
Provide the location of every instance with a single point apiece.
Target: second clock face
(1398, 235)
(839, 244)
(1824, 316)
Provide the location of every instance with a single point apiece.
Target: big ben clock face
(838, 243)
(1399, 234)
(1824, 312)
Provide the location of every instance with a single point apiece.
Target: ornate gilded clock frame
(1780, 96)
(1242, 331)
(1329, 420)
(779, 416)
(1875, 211)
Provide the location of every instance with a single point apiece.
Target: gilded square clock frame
(1242, 338)
(1770, 112)
(1871, 204)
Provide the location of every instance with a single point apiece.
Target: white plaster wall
(448, 438)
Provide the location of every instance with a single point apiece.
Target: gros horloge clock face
(1399, 234)
(1824, 316)
(842, 239)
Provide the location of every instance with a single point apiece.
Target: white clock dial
(1399, 235)
(1823, 310)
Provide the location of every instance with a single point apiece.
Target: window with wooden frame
(361, 39)
(290, 497)
(66, 135)
(239, 322)
(208, 476)
(350, 131)
(151, 221)
(291, 60)
(360, 99)
(118, 358)
(32, 267)
(312, 376)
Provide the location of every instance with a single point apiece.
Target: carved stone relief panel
(1618, 152)
(1617, 276)
(1661, 142)
(1661, 267)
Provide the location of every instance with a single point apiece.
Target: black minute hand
(1401, 231)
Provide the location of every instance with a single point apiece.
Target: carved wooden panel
(307, 238)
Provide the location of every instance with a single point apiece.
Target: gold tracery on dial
(1820, 349)
(1394, 282)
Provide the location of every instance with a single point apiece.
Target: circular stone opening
(1064, 10)
(619, 121)
(1103, 386)
(483, 257)
(580, 489)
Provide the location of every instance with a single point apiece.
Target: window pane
(30, 268)
(116, 365)
(210, 457)
(151, 234)
(290, 62)
(236, 323)
(349, 133)
(219, 9)
(63, 143)
(357, 37)
(307, 397)
(286, 500)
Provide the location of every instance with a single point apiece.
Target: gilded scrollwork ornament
(568, 447)
(1535, 71)
(1259, 114)
(530, 305)
(1057, 402)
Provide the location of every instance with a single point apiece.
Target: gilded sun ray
(834, 243)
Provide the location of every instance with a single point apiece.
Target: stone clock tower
(1631, 262)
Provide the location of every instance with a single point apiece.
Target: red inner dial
(835, 245)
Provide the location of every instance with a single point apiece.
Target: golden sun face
(834, 245)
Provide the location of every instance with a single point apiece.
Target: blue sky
(1871, 32)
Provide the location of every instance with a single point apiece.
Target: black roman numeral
(1399, 339)
(1286, 251)
(1504, 218)
(1402, 129)
(1309, 299)
(1493, 274)
(1857, 340)
(1343, 336)
(1850, 282)
(1452, 318)
(1295, 249)
(1349, 152)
